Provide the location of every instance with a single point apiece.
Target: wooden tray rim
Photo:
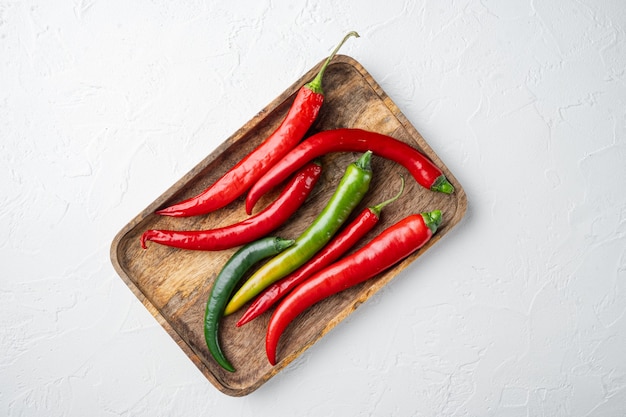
(237, 135)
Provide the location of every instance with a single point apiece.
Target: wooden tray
(174, 284)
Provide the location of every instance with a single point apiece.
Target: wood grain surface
(174, 284)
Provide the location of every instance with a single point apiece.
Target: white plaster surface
(520, 311)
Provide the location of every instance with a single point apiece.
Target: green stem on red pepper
(315, 85)
(350, 191)
(390, 247)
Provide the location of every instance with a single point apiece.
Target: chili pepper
(249, 229)
(421, 168)
(351, 234)
(246, 172)
(391, 246)
(349, 193)
(226, 281)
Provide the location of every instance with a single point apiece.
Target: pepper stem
(282, 244)
(379, 207)
(432, 219)
(316, 84)
(364, 162)
(442, 185)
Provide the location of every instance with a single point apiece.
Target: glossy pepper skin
(424, 171)
(351, 189)
(346, 239)
(248, 230)
(391, 246)
(246, 172)
(224, 284)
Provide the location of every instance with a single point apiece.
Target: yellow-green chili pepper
(349, 193)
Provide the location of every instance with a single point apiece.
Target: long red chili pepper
(421, 168)
(248, 230)
(392, 245)
(246, 172)
(346, 239)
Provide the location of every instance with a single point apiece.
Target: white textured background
(520, 311)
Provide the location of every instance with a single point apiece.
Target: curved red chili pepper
(391, 246)
(246, 172)
(421, 168)
(346, 239)
(248, 230)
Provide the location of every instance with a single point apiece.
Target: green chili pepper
(225, 283)
(351, 190)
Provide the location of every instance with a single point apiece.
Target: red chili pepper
(347, 238)
(421, 168)
(391, 246)
(246, 172)
(248, 230)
